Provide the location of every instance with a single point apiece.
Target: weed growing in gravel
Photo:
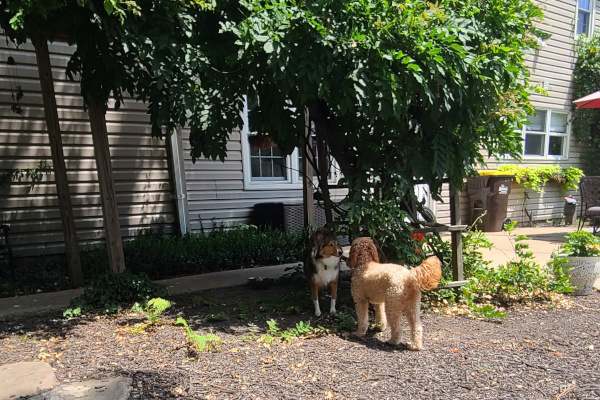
(302, 329)
(200, 301)
(345, 322)
(153, 308)
(217, 317)
(245, 311)
(208, 342)
(283, 305)
(253, 332)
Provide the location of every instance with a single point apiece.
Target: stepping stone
(25, 379)
(104, 389)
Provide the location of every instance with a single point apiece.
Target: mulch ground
(534, 353)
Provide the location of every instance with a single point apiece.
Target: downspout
(178, 168)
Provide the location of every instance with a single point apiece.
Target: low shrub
(162, 256)
(110, 291)
(519, 280)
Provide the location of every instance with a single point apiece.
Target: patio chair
(589, 187)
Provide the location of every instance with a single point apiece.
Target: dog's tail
(428, 274)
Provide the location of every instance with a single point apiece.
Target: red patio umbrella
(589, 101)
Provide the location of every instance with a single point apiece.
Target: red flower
(417, 250)
(417, 236)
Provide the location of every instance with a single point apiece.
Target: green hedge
(162, 256)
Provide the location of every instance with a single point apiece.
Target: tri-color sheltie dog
(322, 266)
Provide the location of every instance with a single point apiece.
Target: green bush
(162, 256)
(110, 291)
(473, 261)
(519, 280)
(580, 244)
(535, 177)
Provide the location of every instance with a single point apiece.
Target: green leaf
(109, 7)
(268, 47)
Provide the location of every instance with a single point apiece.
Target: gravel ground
(534, 353)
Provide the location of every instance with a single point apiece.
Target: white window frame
(592, 13)
(293, 179)
(547, 134)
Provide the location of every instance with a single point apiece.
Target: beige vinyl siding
(551, 67)
(544, 206)
(215, 190)
(140, 171)
(216, 193)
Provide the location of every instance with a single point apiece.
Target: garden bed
(534, 353)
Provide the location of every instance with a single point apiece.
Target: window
(546, 135)
(584, 17)
(268, 164)
(268, 168)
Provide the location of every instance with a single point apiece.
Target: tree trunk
(114, 242)
(307, 172)
(321, 134)
(455, 219)
(40, 44)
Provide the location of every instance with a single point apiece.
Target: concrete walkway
(43, 302)
(543, 242)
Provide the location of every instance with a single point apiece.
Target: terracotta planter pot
(583, 273)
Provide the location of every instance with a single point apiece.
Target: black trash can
(489, 194)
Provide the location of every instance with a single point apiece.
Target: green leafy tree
(399, 92)
(121, 46)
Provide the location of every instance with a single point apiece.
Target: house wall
(216, 194)
(141, 174)
(551, 68)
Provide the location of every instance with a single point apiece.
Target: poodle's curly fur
(392, 289)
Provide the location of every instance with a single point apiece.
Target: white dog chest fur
(327, 270)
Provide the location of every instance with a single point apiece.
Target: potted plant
(582, 251)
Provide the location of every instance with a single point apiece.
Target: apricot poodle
(392, 289)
